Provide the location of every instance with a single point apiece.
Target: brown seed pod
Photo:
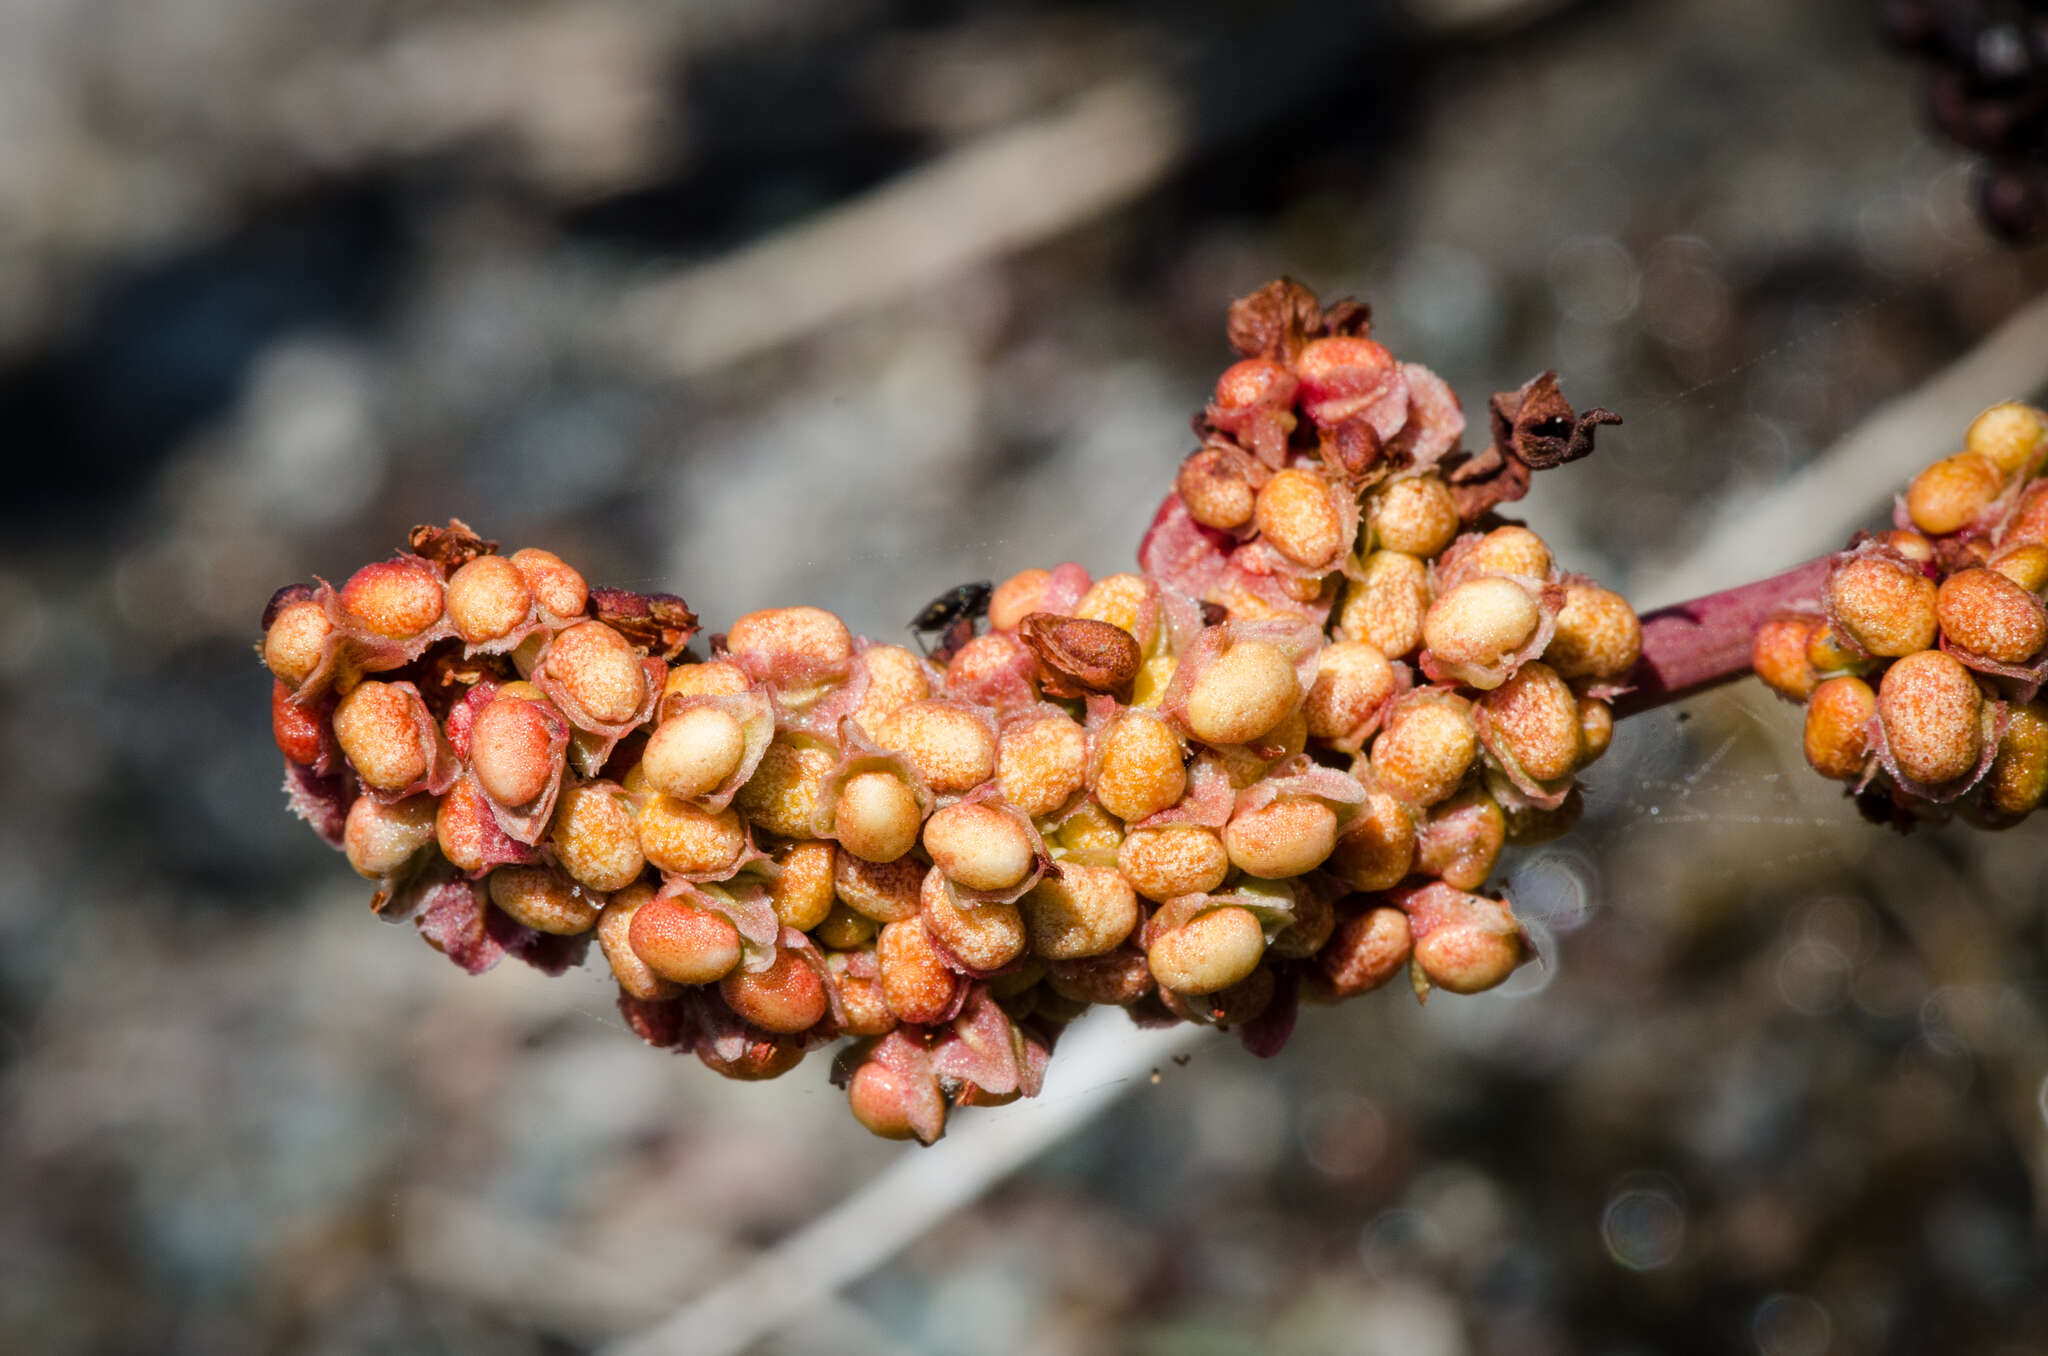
(1077, 656)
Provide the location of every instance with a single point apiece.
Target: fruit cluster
(1278, 763)
(1919, 668)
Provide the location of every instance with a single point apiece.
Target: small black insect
(952, 615)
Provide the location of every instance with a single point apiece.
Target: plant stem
(1691, 646)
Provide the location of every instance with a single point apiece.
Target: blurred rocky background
(845, 303)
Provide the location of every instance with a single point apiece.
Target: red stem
(1691, 646)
